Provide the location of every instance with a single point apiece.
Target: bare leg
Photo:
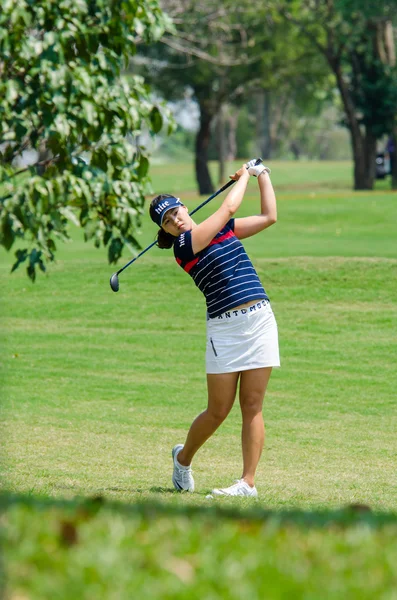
(221, 394)
(253, 386)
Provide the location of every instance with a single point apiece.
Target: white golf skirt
(242, 339)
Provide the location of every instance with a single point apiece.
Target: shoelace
(185, 473)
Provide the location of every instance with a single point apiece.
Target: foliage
(366, 9)
(374, 91)
(358, 41)
(206, 52)
(63, 95)
(240, 52)
(226, 54)
(371, 74)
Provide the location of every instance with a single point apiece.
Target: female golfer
(242, 339)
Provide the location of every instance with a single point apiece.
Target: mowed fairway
(97, 387)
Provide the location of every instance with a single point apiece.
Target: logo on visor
(162, 206)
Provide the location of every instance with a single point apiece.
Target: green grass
(90, 550)
(97, 387)
(289, 177)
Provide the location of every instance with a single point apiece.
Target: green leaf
(90, 230)
(51, 245)
(114, 250)
(31, 271)
(63, 94)
(21, 256)
(7, 234)
(100, 159)
(143, 167)
(84, 216)
(70, 215)
(12, 91)
(106, 236)
(90, 112)
(156, 119)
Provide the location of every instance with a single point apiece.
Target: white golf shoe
(182, 477)
(240, 488)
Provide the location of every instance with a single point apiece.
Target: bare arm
(247, 226)
(205, 232)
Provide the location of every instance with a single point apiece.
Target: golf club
(114, 280)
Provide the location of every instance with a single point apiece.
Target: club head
(114, 282)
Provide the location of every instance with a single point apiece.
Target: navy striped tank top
(222, 270)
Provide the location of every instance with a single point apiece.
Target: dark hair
(164, 239)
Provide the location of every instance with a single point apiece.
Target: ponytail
(165, 240)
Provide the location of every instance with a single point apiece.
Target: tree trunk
(266, 150)
(203, 137)
(364, 148)
(294, 147)
(279, 122)
(262, 99)
(221, 145)
(385, 46)
(370, 160)
(232, 122)
(393, 160)
(386, 51)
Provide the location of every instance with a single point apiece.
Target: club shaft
(136, 257)
(222, 189)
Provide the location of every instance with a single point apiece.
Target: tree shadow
(347, 516)
(130, 490)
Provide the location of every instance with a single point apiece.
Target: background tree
(294, 87)
(228, 55)
(63, 96)
(356, 38)
(209, 51)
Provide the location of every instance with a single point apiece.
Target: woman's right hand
(242, 171)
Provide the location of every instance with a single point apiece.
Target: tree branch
(303, 27)
(194, 51)
(41, 163)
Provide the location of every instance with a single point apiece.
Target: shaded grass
(111, 550)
